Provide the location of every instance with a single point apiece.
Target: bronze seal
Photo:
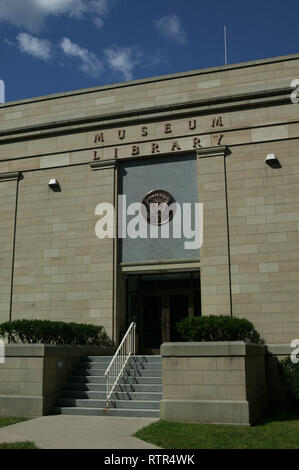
(158, 215)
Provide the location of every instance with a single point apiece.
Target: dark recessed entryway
(156, 302)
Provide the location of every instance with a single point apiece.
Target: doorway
(160, 314)
(157, 303)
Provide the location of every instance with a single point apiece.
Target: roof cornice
(257, 99)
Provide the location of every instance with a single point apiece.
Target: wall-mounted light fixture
(54, 185)
(273, 161)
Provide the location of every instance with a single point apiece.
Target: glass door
(161, 313)
(178, 308)
(157, 302)
(151, 326)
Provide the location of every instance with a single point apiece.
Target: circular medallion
(157, 205)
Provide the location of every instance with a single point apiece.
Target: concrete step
(91, 363)
(81, 403)
(61, 410)
(96, 358)
(95, 371)
(141, 380)
(131, 369)
(147, 372)
(151, 396)
(92, 387)
(143, 365)
(133, 372)
(107, 359)
(137, 396)
(104, 412)
(101, 379)
(87, 379)
(139, 388)
(94, 403)
(136, 404)
(101, 387)
(88, 366)
(134, 361)
(101, 395)
(146, 357)
(138, 393)
(134, 413)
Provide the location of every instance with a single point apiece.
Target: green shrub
(217, 328)
(290, 376)
(53, 332)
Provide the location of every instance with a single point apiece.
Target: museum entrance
(157, 302)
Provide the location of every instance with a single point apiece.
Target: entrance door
(178, 305)
(157, 302)
(153, 311)
(160, 313)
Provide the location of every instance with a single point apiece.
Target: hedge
(218, 328)
(290, 375)
(54, 332)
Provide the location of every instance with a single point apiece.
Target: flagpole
(225, 45)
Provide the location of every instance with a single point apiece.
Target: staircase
(138, 394)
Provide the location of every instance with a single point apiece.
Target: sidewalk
(79, 432)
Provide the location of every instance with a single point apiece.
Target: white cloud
(98, 22)
(8, 42)
(55, 6)
(31, 14)
(171, 27)
(122, 60)
(36, 47)
(100, 9)
(88, 61)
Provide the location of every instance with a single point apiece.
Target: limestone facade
(52, 266)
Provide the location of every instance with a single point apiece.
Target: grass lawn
(18, 445)
(9, 421)
(15, 445)
(278, 431)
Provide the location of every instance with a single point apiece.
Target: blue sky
(51, 46)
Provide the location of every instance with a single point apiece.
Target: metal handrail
(116, 367)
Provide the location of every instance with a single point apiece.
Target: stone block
(33, 375)
(227, 382)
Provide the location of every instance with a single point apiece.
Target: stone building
(200, 136)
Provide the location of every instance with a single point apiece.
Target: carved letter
(144, 131)
(121, 134)
(196, 142)
(99, 137)
(192, 124)
(155, 148)
(95, 155)
(168, 128)
(217, 121)
(116, 152)
(135, 150)
(218, 138)
(175, 146)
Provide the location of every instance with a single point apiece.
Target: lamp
(272, 161)
(54, 185)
